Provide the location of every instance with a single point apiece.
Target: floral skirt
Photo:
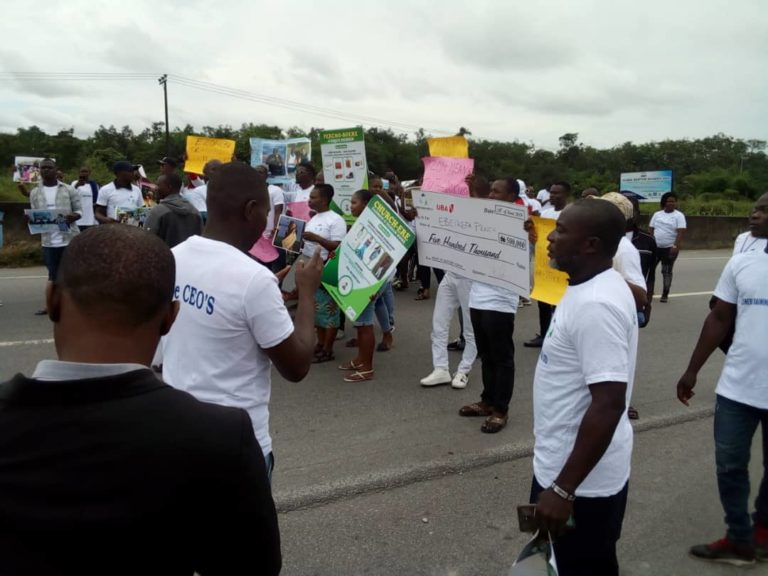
(326, 310)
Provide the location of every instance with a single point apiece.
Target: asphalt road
(359, 460)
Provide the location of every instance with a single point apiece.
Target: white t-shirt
(87, 201)
(113, 198)
(592, 339)
(295, 193)
(484, 296)
(328, 225)
(231, 309)
(745, 242)
(543, 196)
(665, 226)
(744, 282)
(55, 239)
(535, 205)
(276, 198)
(550, 212)
(198, 197)
(627, 263)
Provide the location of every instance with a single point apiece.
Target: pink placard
(263, 250)
(299, 210)
(446, 175)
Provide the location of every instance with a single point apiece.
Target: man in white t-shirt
(120, 193)
(198, 196)
(232, 322)
(89, 192)
(50, 194)
(582, 385)
(299, 191)
(741, 397)
(667, 227)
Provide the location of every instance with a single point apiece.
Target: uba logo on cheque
(445, 208)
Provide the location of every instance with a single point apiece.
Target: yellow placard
(201, 149)
(548, 284)
(452, 147)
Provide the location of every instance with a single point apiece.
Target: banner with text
(477, 238)
(452, 147)
(548, 284)
(201, 149)
(447, 175)
(367, 257)
(281, 157)
(344, 166)
(650, 186)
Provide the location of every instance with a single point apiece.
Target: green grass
(9, 192)
(21, 254)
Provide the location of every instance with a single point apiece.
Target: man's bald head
(238, 204)
(601, 220)
(210, 167)
(118, 275)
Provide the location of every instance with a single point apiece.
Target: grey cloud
(42, 87)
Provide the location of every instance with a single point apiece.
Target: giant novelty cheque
(477, 238)
(367, 257)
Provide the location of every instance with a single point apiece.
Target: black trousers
(667, 264)
(424, 275)
(545, 317)
(496, 350)
(52, 259)
(590, 548)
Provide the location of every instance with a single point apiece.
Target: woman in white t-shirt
(667, 227)
(325, 230)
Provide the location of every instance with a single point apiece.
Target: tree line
(717, 167)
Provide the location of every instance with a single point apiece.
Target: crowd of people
(196, 296)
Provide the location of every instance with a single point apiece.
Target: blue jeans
(52, 259)
(735, 426)
(385, 307)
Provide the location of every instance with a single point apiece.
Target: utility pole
(163, 80)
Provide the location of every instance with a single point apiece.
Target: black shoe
(456, 345)
(42, 312)
(664, 298)
(535, 342)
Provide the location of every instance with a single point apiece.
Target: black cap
(122, 166)
(168, 160)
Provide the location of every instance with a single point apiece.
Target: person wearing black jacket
(104, 469)
(174, 219)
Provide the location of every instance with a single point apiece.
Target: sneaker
(725, 551)
(760, 533)
(537, 342)
(460, 380)
(439, 376)
(456, 345)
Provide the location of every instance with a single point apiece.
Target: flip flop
(350, 366)
(359, 376)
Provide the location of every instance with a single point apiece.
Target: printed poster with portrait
(344, 166)
(26, 169)
(281, 157)
(367, 257)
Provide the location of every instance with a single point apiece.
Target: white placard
(478, 238)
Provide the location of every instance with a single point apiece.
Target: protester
(168, 165)
(741, 401)
(232, 320)
(198, 196)
(646, 247)
(324, 232)
(173, 219)
(492, 311)
(583, 380)
(667, 227)
(300, 190)
(52, 194)
(89, 192)
(557, 199)
(106, 469)
(543, 196)
(590, 193)
(121, 193)
(276, 204)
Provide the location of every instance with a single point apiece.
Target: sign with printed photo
(42, 221)
(26, 169)
(344, 166)
(281, 157)
(367, 257)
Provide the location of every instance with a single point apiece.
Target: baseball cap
(168, 160)
(123, 166)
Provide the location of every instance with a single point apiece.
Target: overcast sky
(611, 70)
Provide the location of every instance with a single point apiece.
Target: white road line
(707, 258)
(22, 277)
(657, 296)
(26, 342)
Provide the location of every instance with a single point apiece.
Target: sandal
(359, 376)
(350, 366)
(422, 294)
(494, 424)
(323, 357)
(351, 343)
(475, 409)
(632, 413)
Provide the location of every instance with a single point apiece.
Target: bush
(20, 254)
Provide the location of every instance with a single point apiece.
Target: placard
(42, 221)
(447, 175)
(26, 169)
(281, 157)
(289, 233)
(201, 149)
(344, 166)
(549, 285)
(477, 238)
(452, 147)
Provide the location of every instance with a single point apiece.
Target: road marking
(707, 258)
(26, 342)
(22, 277)
(708, 292)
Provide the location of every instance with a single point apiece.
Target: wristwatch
(562, 493)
